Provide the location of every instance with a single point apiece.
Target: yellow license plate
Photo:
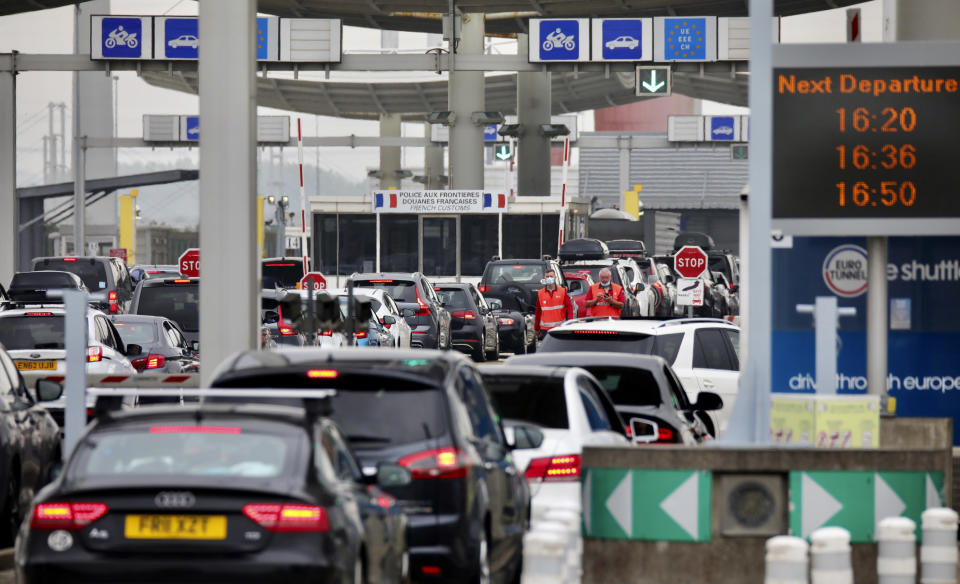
(37, 365)
(175, 527)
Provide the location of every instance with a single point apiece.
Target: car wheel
(10, 523)
(478, 354)
(494, 355)
(482, 573)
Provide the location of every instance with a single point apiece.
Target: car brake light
(596, 332)
(69, 259)
(361, 334)
(465, 315)
(505, 321)
(439, 463)
(483, 288)
(287, 331)
(665, 435)
(94, 354)
(285, 518)
(39, 314)
(279, 265)
(322, 373)
(149, 362)
(69, 516)
(326, 334)
(195, 430)
(381, 281)
(424, 309)
(554, 468)
(184, 281)
(112, 300)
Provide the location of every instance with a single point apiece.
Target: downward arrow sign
(652, 86)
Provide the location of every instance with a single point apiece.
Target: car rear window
(401, 290)
(92, 272)
(138, 333)
(540, 401)
(281, 273)
(178, 302)
(666, 346)
(628, 386)
(47, 279)
(187, 448)
(594, 272)
(379, 415)
(514, 273)
(32, 332)
(454, 298)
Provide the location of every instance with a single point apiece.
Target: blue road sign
(722, 128)
(122, 38)
(193, 128)
(180, 38)
(685, 39)
(263, 38)
(622, 39)
(490, 133)
(560, 40)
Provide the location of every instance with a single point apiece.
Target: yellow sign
(631, 201)
(848, 421)
(791, 419)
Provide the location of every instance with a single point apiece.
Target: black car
(175, 298)
(281, 272)
(214, 493)
(516, 282)
(429, 412)
(473, 326)
(514, 328)
(101, 275)
(165, 348)
(29, 444)
(643, 386)
(33, 286)
(430, 323)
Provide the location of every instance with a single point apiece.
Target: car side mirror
(523, 436)
(708, 401)
(48, 390)
(644, 431)
(389, 320)
(392, 475)
(271, 316)
(494, 304)
(133, 349)
(195, 346)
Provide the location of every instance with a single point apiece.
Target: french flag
(488, 201)
(379, 203)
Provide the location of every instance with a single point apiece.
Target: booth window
(398, 243)
(478, 242)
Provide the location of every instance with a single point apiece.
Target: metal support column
(624, 145)
(533, 148)
(467, 95)
(79, 192)
(228, 231)
(390, 127)
(432, 163)
(8, 176)
(877, 330)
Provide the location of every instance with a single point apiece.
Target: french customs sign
(429, 202)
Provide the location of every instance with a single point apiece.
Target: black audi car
(214, 493)
(473, 326)
(427, 411)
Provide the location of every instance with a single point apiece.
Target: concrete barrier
(938, 554)
(786, 561)
(830, 556)
(896, 551)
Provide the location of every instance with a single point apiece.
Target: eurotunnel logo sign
(424, 202)
(845, 271)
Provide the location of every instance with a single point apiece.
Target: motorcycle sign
(121, 38)
(559, 40)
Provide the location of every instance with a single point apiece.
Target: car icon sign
(623, 42)
(723, 130)
(184, 40)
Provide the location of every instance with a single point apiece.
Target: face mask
(605, 284)
(549, 281)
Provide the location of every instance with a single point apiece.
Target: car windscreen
(40, 330)
(283, 274)
(400, 290)
(537, 400)
(628, 386)
(502, 274)
(718, 263)
(594, 272)
(92, 272)
(454, 299)
(188, 448)
(178, 302)
(605, 341)
(138, 333)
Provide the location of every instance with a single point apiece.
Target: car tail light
(149, 362)
(326, 334)
(69, 259)
(69, 516)
(596, 332)
(439, 463)
(112, 301)
(554, 468)
(94, 354)
(483, 288)
(465, 315)
(505, 321)
(286, 518)
(424, 308)
(666, 435)
(39, 314)
(287, 331)
(181, 281)
(322, 373)
(361, 335)
(431, 570)
(154, 271)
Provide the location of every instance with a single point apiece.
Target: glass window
(521, 237)
(454, 299)
(357, 238)
(479, 235)
(668, 346)
(519, 273)
(325, 243)
(377, 416)
(401, 290)
(550, 234)
(92, 272)
(710, 350)
(138, 333)
(286, 274)
(344, 466)
(734, 337)
(536, 400)
(440, 246)
(32, 332)
(676, 388)
(478, 408)
(398, 243)
(179, 302)
(595, 416)
(628, 386)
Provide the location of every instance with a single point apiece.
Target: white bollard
(830, 556)
(938, 552)
(896, 551)
(571, 521)
(786, 560)
(544, 560)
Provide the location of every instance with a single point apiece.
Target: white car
(550, 414)
(623, 42)
(184, 40)
(704, 352)
(386, 309)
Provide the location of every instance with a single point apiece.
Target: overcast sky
(51, 31)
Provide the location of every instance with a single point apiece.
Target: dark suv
(101, 275)
(429, 321)
(175, 298)
(515, 282)
(467, 507)
(473, 326)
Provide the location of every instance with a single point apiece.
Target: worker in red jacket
(605, 298)
(553, 305)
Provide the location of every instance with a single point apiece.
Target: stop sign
(190, 263)
(690, 261)
(313, 281)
